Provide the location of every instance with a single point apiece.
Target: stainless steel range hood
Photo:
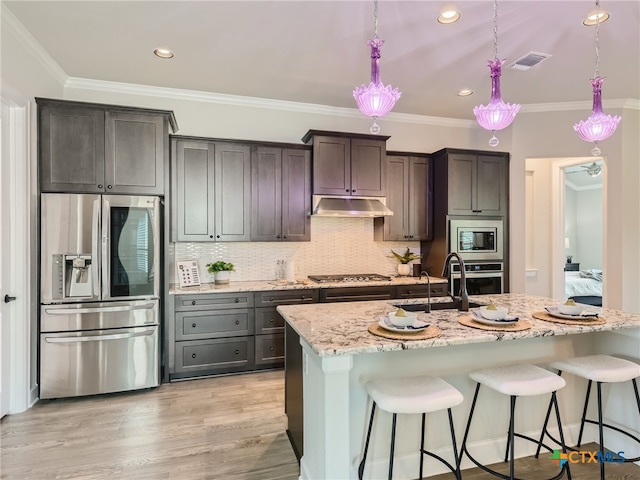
(332, 206)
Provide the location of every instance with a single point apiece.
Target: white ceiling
(316, 51)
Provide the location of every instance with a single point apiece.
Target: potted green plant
(221, 271)
(404, 268)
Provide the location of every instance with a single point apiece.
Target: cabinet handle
(210, 236)
(271, 348)
(271, 299)
(347, 190)
(303, 297)
(99, 185)
(237, 352)
(193, 355)
(284, 236)
(271, 320)
(409, 292)
(109, 187)
(193, 302)
(217, 236)
(277, 236)
(237, 322)
(193, 325)
(237, 300)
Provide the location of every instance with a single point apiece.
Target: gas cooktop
(349, 277)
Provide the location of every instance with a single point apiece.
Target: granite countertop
(267, 285)
(333, 329)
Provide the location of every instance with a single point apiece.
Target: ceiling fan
(592, 170)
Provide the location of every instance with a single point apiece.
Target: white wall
(589, 229)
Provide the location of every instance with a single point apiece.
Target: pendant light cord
(495, 28)
(375, 18)
(597, 74)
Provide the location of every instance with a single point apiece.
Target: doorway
(545, 237)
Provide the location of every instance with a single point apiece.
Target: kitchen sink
(424, 307)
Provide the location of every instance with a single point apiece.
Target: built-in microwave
(477, 239)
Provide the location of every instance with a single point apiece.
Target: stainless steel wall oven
(482, 278)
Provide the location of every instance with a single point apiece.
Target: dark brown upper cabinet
(348, 164)
(212, 191)
(92, 148)
(280, 194)
(409, 197)
(472, 182)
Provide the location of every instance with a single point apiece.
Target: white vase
(222, 278)
(404, 269)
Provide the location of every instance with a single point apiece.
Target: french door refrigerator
(99, 294)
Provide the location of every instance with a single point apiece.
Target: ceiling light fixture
(497, 114)
(598, 126)
(595, 17)
(465, 92)
(163, 53)
(448, 16)
(375, 100)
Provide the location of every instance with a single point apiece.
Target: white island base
(337, 408)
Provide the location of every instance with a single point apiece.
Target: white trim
(631, 103)
(254, 102)
(12, 25)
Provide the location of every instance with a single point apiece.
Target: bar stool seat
(411, 395)
(601, 369)
(517, 381)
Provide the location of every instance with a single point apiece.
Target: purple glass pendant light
(375, 100)
(497, 114)
(598, 126)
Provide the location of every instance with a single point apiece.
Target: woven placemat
(430, 332)
(585, 321)
(468, 321)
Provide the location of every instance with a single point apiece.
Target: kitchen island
(338, 354)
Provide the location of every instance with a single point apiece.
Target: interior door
(5, 249)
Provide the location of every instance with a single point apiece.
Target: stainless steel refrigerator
(99, 294)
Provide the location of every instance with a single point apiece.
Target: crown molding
(630, 103)
(13, 26)
(254, 102)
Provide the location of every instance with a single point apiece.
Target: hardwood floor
(217, 428)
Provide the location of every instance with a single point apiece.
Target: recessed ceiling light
(465, 92)
(449, 16)
(163, 53)
(594, 17)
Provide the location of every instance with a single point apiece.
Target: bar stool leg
(563, 444)
(366, 445)
(466, 430)
(506, 453)
(600, 429)
(422, 444)
(635, 389)
(455, 448)
(511, 439)
(393, 444)
(584, 413)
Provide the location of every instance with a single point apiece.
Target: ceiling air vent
(529, 60)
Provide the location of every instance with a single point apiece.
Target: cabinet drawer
(286, 297)
(269, 349)
(214, 301)
(215, 356)
(268, 320)
(355, 294)
(222, 323)
(419, 291)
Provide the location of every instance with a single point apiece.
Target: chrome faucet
(428, 289)
(464, 297)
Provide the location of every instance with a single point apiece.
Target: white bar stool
(600, 369)
(423, 394)
(516, 381)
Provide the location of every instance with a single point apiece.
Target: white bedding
(575, 285)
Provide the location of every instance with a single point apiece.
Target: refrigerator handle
(98, 338)
(95, 248)
(120, 308)
(106, 237)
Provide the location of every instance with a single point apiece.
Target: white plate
(477, 316)
(416, 327)
(553, 311)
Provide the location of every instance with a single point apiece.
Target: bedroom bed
(584, 286)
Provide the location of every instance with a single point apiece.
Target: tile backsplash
(338, 245)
